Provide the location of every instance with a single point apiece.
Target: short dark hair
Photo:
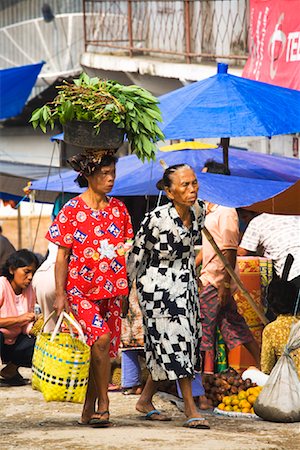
(216, 167)
(20, 258)
(166, 180)
(86, 165)
(282, 296)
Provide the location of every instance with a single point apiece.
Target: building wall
(33, 230)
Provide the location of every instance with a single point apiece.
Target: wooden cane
(234, 276)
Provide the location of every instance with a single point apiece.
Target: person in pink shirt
(217, 305)
(17, 300)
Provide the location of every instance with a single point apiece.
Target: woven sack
(60, 364)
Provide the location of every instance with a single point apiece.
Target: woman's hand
(26, 318)
(124, 306)
(61, 303)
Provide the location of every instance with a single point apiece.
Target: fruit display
(226, 385)
(242, 402)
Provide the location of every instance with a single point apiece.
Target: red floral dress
(97, 270)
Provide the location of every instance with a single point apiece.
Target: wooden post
(129, 24)
(187, 28)
(234, 276)
(225, 145)
(19, 228)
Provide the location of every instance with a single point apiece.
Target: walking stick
(233, 275)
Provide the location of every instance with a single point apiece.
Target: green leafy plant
(90, 99)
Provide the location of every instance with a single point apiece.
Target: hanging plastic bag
(60, 363)
(279, 400)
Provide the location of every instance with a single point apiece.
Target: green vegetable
(94, 100)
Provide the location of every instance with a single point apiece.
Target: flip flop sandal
(149, 416)
(96, 422)
(199, 426)
(17, 380)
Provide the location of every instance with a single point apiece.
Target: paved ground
(29, 423)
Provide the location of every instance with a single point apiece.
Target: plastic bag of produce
(279, 400)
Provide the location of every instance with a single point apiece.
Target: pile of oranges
(242, 402)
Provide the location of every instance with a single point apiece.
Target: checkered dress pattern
(162, 261)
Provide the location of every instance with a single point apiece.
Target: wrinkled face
(22, 277)
(102, 180)
(184, 188)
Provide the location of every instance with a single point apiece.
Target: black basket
(84, 134)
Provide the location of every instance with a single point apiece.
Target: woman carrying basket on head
(90, 272)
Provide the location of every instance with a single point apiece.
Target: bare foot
(135, 390)
(97, 417)
(151, 412)
(204, 403)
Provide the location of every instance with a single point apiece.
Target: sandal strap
(154, 411)
(102, 413)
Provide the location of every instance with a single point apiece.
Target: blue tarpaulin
(253, 179)
(15, 87)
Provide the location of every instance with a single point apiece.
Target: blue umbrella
(226, 106)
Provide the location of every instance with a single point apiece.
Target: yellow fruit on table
(244, 404)
(251, 399)
(251, 391)
(258, 389)
(242, 395)
(236, 408)
(221, 406)
(252, 411)
(228, 408)
(246, 410)
(226, 400)
(235, 400)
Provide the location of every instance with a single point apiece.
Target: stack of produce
(242, 402)
(225, 384)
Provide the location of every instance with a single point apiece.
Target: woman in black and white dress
(162, 261)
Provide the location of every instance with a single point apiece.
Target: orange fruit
(245, 410)
(251, 391)
(221, 406)
(228, 408)
(252, 411)
(251, 399)
(236, 408)
(244, 404)
(242, 395)
(226, 400)
(235, 400)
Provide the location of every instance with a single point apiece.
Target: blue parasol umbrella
(226, 106)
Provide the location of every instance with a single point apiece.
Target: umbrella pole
(225, 145)
(234, 276)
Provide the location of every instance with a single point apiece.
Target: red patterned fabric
(97, 269)
(97, 318)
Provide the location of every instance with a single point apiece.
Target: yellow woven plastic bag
(60, 364)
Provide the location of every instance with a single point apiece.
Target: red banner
(274, 42)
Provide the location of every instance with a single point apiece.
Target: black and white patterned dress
(162, 260)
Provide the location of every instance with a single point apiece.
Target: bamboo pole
(234, 276)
